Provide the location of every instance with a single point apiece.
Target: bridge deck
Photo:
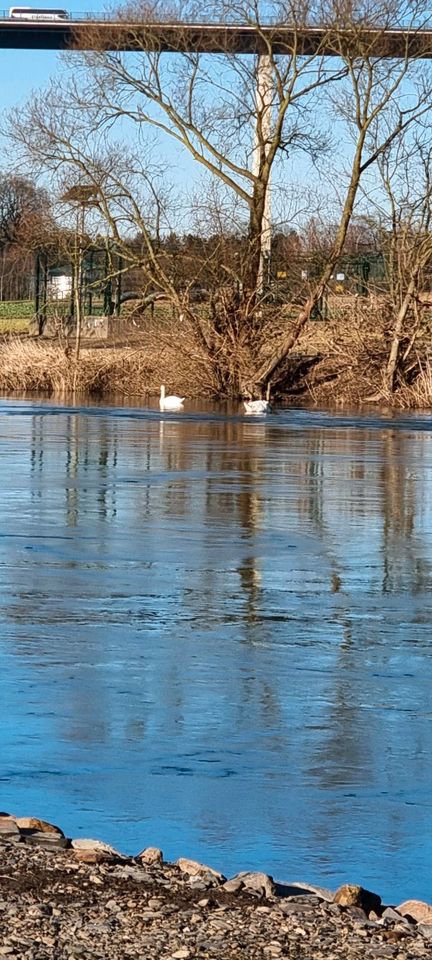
(211, 38)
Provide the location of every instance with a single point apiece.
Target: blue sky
(22, 71)
(25, 71)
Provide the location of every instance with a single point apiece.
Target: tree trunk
(397, 334)
(78, 268)
(255, 268)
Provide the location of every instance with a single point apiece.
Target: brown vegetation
(29, 366)
(237, 121)
(348, 359)
(338, 361)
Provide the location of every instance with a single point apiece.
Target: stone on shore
(151, 855)
(196, 869)
(9, 829)
(51, 841)
(322, 892)
(94, 851)
(260, 883)
(42, 826)
(420, 911)
(352, 895)
(295, 888)
(54, 906)
(32, 830)
(391, 914)
(234, 885)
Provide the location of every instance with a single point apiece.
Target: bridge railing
(232, 20)
(97, 17)
(71, 15)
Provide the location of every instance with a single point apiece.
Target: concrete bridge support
(264, 97)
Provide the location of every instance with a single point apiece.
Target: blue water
(216, 636)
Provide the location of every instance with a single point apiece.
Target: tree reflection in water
(216, 637)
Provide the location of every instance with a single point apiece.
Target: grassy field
(16, 309)
(16, 314)
(13, 326)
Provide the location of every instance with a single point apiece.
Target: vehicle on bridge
(32, 13)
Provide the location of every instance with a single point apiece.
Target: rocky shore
(62, 898)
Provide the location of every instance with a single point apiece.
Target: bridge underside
(87, 35)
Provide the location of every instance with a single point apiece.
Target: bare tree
(237, 118)
(23, 209)
(20, 204)
(365, 100)
(403, 212)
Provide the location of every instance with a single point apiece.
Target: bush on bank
(334, 364)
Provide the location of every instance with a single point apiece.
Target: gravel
(54, 906)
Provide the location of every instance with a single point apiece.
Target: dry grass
(13, 326)
(29, 366)
(352, 352)
(338, 361)
(25, 367)
(40, 366)
(417, 394)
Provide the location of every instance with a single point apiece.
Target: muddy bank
(65, 899)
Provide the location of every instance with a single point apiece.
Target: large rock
(234, 885)
(151, 855)
(94, 851)
(296, 888)
(195, 869)
(42, 826)
(257, 882)
(9, 829)
(352, 895)
(32, 830)
(50, 841)
(420, 911)
(391, 914)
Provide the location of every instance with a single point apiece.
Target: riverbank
(62, 898)
(333, 362)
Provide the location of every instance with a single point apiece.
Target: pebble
(53, 906)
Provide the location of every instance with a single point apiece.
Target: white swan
(257, 407)
(170, 403)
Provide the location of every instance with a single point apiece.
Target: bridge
(70, 31)
(85, 31)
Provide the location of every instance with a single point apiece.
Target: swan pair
(170, 403)
(257, 407)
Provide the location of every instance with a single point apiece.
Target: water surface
(216, 636)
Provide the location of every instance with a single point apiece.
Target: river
(216, 636)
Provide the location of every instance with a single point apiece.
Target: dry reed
(417, 394)
(341, 361)
(28, 366)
